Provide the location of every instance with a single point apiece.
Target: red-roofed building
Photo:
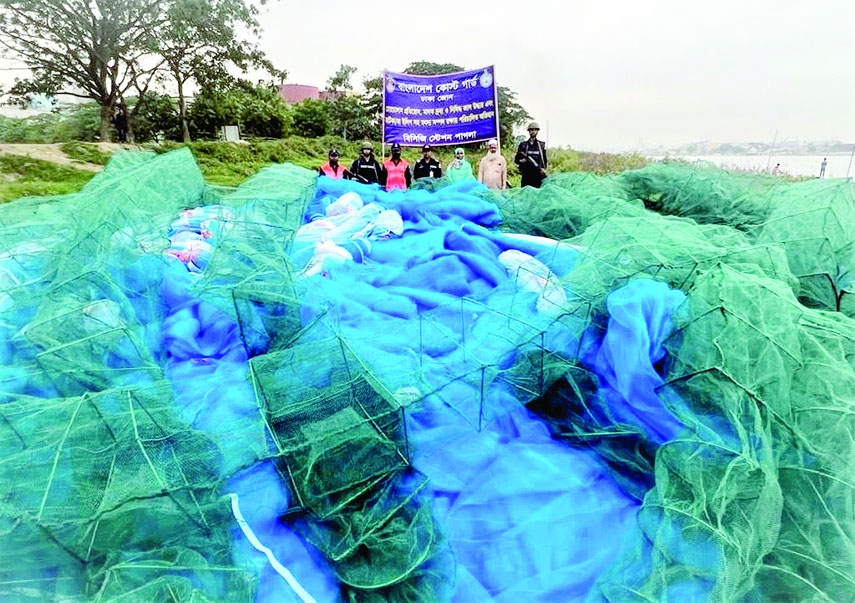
(294, 93)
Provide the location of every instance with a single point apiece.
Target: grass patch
(25, 177)
(86, 152)
(230, 163)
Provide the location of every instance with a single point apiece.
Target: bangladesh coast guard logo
(486, 79)
(390, 85)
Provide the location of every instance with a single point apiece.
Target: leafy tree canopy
(256, 108)
(81, 48)
(311, 118)
(341, 80)
(113, 49)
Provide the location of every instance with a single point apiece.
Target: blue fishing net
(314, 390)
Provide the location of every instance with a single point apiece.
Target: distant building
(295, 93)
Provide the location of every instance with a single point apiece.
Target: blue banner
(454, 108)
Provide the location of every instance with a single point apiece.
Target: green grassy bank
(229, 164)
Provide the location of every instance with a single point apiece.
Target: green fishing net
(760, 489)
(118, 451)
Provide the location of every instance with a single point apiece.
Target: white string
(280, 569)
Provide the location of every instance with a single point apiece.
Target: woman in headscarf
(493, 169)
(460, 169)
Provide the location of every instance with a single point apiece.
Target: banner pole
(496, 106)
(383, 117)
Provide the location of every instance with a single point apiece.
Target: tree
(428, 68)
(156, 115)
(311, 118)
(257, 109)
(340, 82)
(372, 102)
(349, 119)
(199, 40)
(81, 48)
(511, 115)
(265, 114)
(347, 115)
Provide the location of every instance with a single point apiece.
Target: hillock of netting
(178, 390)
(702, 192)
(814, 221)
(738, 498)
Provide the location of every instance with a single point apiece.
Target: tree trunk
(106, 121)
(182, 112)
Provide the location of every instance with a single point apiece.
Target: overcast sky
(605, 75)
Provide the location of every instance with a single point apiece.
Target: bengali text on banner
(448, 109)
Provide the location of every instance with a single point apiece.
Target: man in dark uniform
(531, 158)
(427, 166)
(365, 168)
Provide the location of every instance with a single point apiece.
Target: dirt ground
(53, 153)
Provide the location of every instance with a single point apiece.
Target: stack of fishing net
(553, 394)
(757, 473)
(108, 493)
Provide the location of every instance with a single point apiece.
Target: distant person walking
(531, 158)
(493, 169)
(460, 169)
(397, 170)
(427, 166)
(365, 168)
(822, 167)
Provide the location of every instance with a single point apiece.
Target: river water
(793, 165)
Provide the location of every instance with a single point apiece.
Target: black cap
(396, 146)
(333, 152)
(426, 147)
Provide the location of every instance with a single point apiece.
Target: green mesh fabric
(336, 417)
(759, 492)
(251, 269)
(343, 444)
(781, 467)
(109, 495)
(565, 205)
(813, 221)
(120, 497)
(112, 488)
(702, 192)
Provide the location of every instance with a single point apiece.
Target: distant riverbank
(793, 165)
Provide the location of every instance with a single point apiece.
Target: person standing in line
(427, 166)
(493, 169)
(120, 121)
(365, 168)
(459, 169)
(332, 168)
(531, 158)
(822, 167)
(397, 170)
